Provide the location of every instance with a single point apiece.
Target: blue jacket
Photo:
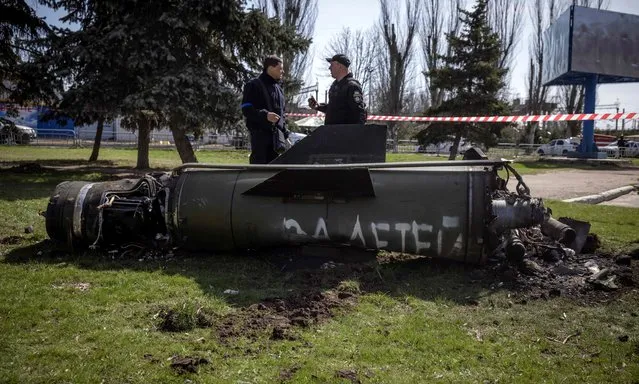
(255, 106)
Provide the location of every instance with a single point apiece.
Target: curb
(603, 196)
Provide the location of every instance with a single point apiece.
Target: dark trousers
(262, 151)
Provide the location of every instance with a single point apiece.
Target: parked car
(558, 147)
(631, 149)
(445, 147)
(12, 133)
(294, 137)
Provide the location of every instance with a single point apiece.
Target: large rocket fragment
(442, 209)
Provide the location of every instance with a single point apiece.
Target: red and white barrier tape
(496, 119)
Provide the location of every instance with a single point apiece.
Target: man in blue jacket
(263, 107)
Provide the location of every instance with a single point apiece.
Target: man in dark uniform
(263, 108)
(621, 145)
(345, 98)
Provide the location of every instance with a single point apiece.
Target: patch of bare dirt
(287, 374)
(349, 375)
(282, 315)
(187, 364)
(589, 279)
(11, 240)
(550, 270)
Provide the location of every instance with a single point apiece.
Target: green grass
(87, 318)
(120, 157)
(168, 158)
(617, 226)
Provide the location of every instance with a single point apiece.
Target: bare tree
(360, 47)
(300, 15)
(397, 56)
(438, 21)
(542, 13)
(599, 4)
(506, 19)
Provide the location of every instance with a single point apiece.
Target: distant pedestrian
(345, 98)
(263, 107)
(621, 145)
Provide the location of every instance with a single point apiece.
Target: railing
(66, 138)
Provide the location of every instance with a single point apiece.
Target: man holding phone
(345, 99)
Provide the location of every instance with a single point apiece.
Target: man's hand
(272, 117)
(312, 103)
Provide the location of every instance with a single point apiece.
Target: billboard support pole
(590, 98)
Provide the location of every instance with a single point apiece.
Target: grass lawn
(169, 158)
(93, 317)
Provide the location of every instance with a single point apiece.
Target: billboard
(556, 48)
(585, 41)
(605, 42)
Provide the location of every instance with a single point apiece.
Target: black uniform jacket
(345, 103)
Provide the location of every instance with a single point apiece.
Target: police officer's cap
(340, 58)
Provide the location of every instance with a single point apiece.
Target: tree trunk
(97, 141)
(455, 146)
(183, 145)
(144, 137)
(531, 132)
(394, 136)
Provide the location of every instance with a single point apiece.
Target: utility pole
(370, 70)
(617, 120)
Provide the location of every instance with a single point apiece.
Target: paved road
(567, 184)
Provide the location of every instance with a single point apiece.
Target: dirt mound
(281, 315)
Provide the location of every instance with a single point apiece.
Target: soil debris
(287, 374)
(349, 375)
(11, 240)
(187, 364)
(281, 315)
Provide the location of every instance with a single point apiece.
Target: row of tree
(441, 31)
(182, 64)
(161, 63)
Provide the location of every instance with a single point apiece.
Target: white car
(294, 137)
(558, 147)
(631, 150)
(11, 133)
